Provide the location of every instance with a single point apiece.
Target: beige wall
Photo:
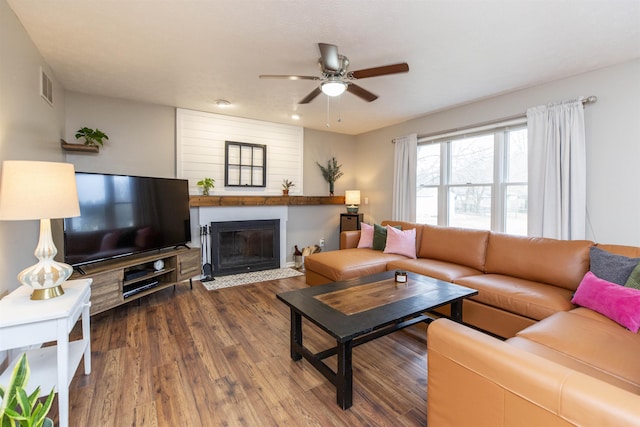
(321, 146)
(308, 224)
(141, 136)
(30, 129)
(613, 146)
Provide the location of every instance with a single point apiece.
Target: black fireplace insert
(244, 246)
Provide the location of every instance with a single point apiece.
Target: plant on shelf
(207, 184)
(18, 408)
(91, 137)
(286, 185)
(331, 173)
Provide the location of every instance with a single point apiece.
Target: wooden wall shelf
(79, 147)
(202, 201)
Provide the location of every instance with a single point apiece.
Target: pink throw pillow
(401, 242)
(617, 302)
(366, 236)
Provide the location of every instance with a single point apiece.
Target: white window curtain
(557, 171)
(404, 178)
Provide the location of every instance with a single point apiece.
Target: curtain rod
(588, 100)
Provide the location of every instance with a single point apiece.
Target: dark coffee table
(359, 310)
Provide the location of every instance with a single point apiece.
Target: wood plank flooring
(221, 358)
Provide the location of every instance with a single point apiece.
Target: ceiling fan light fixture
(333, 88)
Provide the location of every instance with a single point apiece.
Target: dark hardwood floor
(221, 358)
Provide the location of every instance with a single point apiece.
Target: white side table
(24, 322)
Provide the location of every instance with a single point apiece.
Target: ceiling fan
(336, 78)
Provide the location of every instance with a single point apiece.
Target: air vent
(46, 87)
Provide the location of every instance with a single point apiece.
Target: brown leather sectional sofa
(560, 364)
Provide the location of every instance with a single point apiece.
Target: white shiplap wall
(200, 139)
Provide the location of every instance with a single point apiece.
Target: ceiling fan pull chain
(339, 109)
(328, 118)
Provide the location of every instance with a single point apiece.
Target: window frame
(499, 186)
(245, 164)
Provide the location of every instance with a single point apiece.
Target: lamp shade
(352, 197)
(333, 88)
(37, 190)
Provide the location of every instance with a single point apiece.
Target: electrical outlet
(322, 243)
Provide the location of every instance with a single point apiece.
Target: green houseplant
(331, 173)
(91, 137)
(286, 185)
(207, 184)
(18, 408)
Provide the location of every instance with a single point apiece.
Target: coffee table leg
(296, 334)
(344, 380)
(456, 311)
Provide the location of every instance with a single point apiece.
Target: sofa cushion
(556, 262)
(349, 263)
(457, 245)
(630, 251)
(520, 296)
(401, 242)
(440, 270)
(611, 267)
(587, 342)
(617, 302)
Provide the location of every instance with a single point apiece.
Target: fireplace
(244, 246)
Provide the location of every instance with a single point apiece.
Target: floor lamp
(40, 190)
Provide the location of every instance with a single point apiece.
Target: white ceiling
(190, 53)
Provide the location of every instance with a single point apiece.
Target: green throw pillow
(380, 236)
(634, 279)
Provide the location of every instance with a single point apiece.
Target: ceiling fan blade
(330, 59)
(307, 99)
(362, 93)
(288, 77)
(381, 71)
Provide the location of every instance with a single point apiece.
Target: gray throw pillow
(611, 267)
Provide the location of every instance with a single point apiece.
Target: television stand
(114, 280)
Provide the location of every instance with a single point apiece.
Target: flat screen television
(122, 215)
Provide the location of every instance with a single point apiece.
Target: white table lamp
(40, 190)
(352, 200)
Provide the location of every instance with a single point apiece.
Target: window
(474, 181)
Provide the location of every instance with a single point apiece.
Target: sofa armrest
(349, 239)
(477, 380)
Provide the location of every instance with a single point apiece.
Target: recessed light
(295, 116)
(222, 103)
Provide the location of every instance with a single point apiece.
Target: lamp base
(46, 276)
(352, 209)
(47, 293)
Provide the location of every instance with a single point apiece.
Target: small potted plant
(91, 137)
(331, 173)
(286, 185)
(207, 184)
(19, 409)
